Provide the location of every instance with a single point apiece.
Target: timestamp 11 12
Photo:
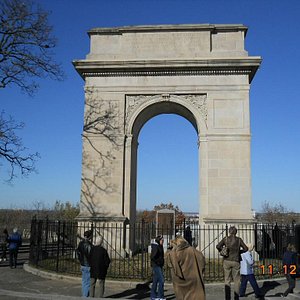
(286, 269)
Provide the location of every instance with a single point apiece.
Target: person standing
(187, 268)
(247, 273)
(290, 259)
(231, 263)
(188, 235)
(14, 242)
(157, 263)
(99, 264)
(3, 244)
(84, 254)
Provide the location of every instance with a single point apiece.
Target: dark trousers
(252, 280)
(292, 283)
(13, 256)
(97, 292)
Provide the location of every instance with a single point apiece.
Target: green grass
(131, 268)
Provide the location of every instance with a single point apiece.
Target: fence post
(58, 242)
(39, 240)
(63, 238)
(46, 232)
(32, 255)
(142, 234)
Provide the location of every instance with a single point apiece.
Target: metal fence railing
(53, 245)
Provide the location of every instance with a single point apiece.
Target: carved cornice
(201, 67)
(127, 73)
(168, 27)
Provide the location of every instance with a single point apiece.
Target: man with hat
(84, 253)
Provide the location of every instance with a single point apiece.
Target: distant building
(192, 217)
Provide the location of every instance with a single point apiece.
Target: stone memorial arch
(133, 73)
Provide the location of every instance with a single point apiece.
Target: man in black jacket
(84, 254)
(99, 264)
(157, 263)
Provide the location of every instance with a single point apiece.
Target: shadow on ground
(269, 286)
(141, 291)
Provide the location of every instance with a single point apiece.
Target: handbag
(225, 251)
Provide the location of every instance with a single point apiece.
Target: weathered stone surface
(201, 72)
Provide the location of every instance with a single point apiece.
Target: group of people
(94, 262)
(10, 242)
(238, 266)
(187, 267)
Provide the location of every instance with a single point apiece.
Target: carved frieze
(198, 100)
(134, 102)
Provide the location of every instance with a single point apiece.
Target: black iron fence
(53, 245)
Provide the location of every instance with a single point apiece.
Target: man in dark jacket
(157, 263)
(99, 264)
(14, 241)
(290, 265)
(84, 254)
(188, 235)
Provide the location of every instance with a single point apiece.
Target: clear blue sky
(54, 117)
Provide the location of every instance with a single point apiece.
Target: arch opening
(164, 107)
(181, 187)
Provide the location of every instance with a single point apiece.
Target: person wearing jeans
(157, 263)
(84, 252)
(247, 273)
(85, 271)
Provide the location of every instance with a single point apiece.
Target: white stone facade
(201, 72)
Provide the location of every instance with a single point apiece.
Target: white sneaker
(0, 259)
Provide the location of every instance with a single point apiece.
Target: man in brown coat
(231, 263)
(187, 268)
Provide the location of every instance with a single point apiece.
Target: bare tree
(179, 215)
(26, 44)
(12, 150)
(150, 216)
(276, 213)
(65, 211)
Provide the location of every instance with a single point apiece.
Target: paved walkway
(28, 283)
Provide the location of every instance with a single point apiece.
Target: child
(247, 273)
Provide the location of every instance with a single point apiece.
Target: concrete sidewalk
(29, 283)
